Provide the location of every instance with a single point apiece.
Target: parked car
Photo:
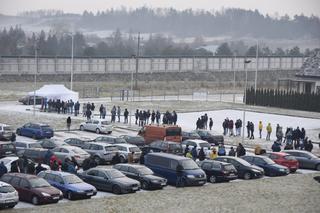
(164, 132)
(22, 145)
(306, 159)
(71, 185)
(284, 159)
(269, 166)
(110, 180)
(189, 135)
(35, 154)
(8, 196)
(32, 188)
(35, 130)
(7, 161)
(102, 152)
(217, 171)
(97, 125)
(166, 146)
(7, 149)
(110, 139)
(245, 170)
(135, 140)
(5, 132)
(75, 142)
(197, 143)
(51, 143)
(165, 165)
(207, 136)
(29, 100)
(126, 149)
(143, 174)
(67, 152)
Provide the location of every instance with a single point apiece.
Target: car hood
(257, 168)
(153, 177)
(278, 166)
(49, 190)
(125, 181)
(81, 186)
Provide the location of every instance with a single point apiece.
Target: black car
(165, 146)
(207, 136)
(29, 100)
(189, 135)
(269, 166)
(218, 171)
(135, 140)
(306, 159)
(142, 174)
(7, 149)
(245, 170)
(110, 180)
(75, 142)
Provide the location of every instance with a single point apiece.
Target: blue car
(269, 166)
(71, 185)
(35, 131)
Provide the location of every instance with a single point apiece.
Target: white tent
(55, 92)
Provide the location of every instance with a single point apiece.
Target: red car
(284, 159)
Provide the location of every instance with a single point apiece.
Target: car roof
(229, 157)
(131, 165)
(279, 153)
(300, 151)
(215, 161)
(102, 144)
(109, 136)
(61, 174)
(169, 142)
(40, 124)
(256, 156)
(26, 142)
(125, 145)
(197, 140)
(104, 168)
(22, 175)
(167, 155)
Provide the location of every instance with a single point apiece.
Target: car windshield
(6, 189)
(173, 131)
(189, 164)
(104, 123)
(145, 171)
(35, 145)
(79, 151)
(134, 149)
(175, 146)
(46, 127)
(116, 174)
(243, 162)
(193, 134)
(111, 148)
(268, 161)
(72, 179)
(7, 128)
(38, 183)
(229, 167)
(204, 145)
(120, 140)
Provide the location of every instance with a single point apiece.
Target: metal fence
(62, 65)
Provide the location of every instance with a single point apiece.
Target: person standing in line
(137, 116)
(251, 130)
(210, 124)
(118, 113)
(260, 128)
(126, 114)
(269, 130)
(68, 123)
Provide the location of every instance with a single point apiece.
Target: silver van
(102, 152)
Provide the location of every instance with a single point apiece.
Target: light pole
(35, 78)
(257, 64)
(245, 97)
(131, 91)
(72, 46)
(137, 61)
(234, 78)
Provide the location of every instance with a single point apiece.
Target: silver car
(102, 152)
(128, 149)
(5, 132)
(22, 145)
(8, 195)
(97, 125)
(65, 152)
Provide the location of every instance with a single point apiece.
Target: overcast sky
(291, 7)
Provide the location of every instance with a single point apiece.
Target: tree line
(283, 99)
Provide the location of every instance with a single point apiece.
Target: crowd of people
(143, 117)
(60, 106)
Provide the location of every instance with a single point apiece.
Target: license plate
(135, 188)
(56, 198)
(90, 193)
(163, 184)
(201, 182)
(9, 201)
(8, 152)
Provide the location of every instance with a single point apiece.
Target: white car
(22, 145)
(126, 149)
(97, 125)
(7, 161)
(5, 132)
(101, 152)
(199, 143)
(8, 195)
(65, 152)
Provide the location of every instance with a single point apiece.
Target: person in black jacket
(210, 124)
(240, 150)
(39, 168)
(3, 169)
(115, 159)
(202, 155)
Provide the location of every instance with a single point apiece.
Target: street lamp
(245, 97)
(72, 48)
(36, 48)
(131, 91)
(257, 64)
(137, 61)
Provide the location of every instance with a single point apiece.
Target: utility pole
(245, 97)
(35, 78)
(257, 64)
(137, 62)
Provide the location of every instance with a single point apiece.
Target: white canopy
(55, 92)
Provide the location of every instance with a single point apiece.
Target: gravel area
(293, 193)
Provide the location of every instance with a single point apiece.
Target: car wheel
(247, 176)
(97, 159)
(144, 185)
(82, 128)
(318, 167)
(122, 160)
(213, 179)
(98, 131)
(35, 200)
(69, 196)
(109, 132)
(116, 190)
(11, 206)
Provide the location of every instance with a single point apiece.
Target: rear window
(229, 167)
(173, 132)
(46, 127)
(189, 164)
(134, 149)
(6, 189)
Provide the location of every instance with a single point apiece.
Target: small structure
(307, 79)
(55, 92)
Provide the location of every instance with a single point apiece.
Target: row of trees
(15, 42)
(283, 99)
